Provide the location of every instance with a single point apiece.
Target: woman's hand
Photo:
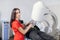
(31, 25)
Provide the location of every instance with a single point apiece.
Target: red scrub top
(18, 35)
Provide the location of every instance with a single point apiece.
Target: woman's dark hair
(13, 15)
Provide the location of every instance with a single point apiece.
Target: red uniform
(18, 35)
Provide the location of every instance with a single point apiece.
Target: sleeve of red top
(15, 25)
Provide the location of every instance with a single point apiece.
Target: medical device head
(36, 12)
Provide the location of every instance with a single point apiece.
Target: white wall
(6, 7)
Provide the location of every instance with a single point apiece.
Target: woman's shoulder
(14, 22)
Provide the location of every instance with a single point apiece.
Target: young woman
(16, 25)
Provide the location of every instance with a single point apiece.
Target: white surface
(37, 11)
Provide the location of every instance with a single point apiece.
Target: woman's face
(17, 14)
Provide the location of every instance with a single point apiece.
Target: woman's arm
(24, 31)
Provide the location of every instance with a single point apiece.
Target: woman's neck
(17, 19)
